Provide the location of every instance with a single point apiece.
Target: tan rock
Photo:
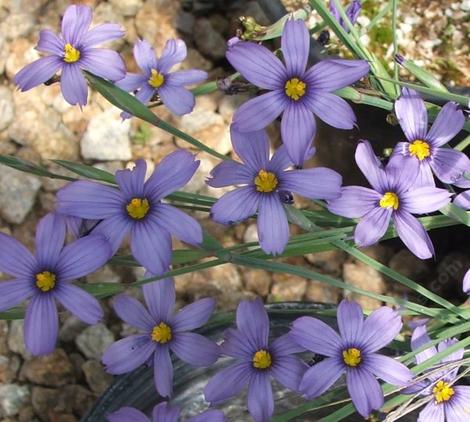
(287, 287)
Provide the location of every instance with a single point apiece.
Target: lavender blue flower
(466, 282)
(137, 208)
(163, 412)
(47, 276)
(393, 196)
(352, 12)
(447, 402)
(161, 332)
(462, 200)
(265, 185)
(427, 147)
(295, 91)
(74, 50)
(353, 352)
(257, 361)
(157, 79)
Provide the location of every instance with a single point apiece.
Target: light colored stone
(52, 370)
(17, 25)
(12, 398)
(107, 137)
(16, 339)
(321, 292)
(9, 366)
(287, 287)
(127, 7)
(94, 340)
(251, 234)
(71, 328)
(257, 281)
(328, 262)
(97, 378)
(18, 192)
(7, 110)
(229, 104)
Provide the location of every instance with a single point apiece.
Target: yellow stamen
(156, 79)
(420, 149)
(71, 54)
(262, 359)
(265, 181)
(390, 200)
(161, 333)
(352, 357)
(45, 281)
(138, 208)
(295, 88)
(442, 391)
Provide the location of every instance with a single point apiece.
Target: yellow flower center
(262, 359)
(156, 79)
(45, 281)
(352, 357)
(420, 149)
(71, 54)
(390, 200)
(265, 181)
(138, 208)
(295, 88)
(442, 391)
(161, 333)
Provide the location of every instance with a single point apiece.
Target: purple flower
(393, 197)
(46, 277)
(353, 352)
(466, 282)
(265, 184)
(163, 412)
(161, 332)
(72, 51)
(447, 402)
(257, 361)
(462, 200)
(157, 79)
(295, 91)
(352, 12)
(426, 147)
(137, 208)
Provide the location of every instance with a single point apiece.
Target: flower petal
(114, 229)
(41, 325)
(320, 377)
(365, 391)
(102, 33)
(260, 398)
(450, 165)
(186, 77)
(132, 82)
(13, 292)
(285, 345)
(355, 202)
(413, 235)
(466, 282)
(457, 409)
(273, 227)
(257, 64)
(15, 259)
(163, 412)
(127, 414)
(462, 200)
(370, 166)
(144, 55)
(227, 383)
(194, 315)
(236, 205)
(424, 200)
(253, 322)
(332, 109)
(160, 298)
(50, 43)
(412, 115)
(235, 345)
(229, 173)
(420, 338)
(174, 52)
(103, 62)
(295, 44)
(380, 328)
(252, 148)
(163, 371)
(211, 415)
(372, 226)
(350, 321)
(50, 238)
(37, 72)
(73, 85)
(131, 182)
(289, 370)
(75, 23)
(388, 369)
(432, 412)
(449, 122)
(280, 160)
(194, 349)
(179, 100)
(80, 303)
(131, 311)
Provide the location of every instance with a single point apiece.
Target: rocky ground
(39, 126)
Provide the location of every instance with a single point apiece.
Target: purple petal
(365, 391)
(235, 344)
(449, 122)
(402, 173)
(259, 112)
(194, 349)
(454, 356)
(227, 383)
(424, 200)
(73, 85)
(285, 345)
(425, 176)
(372, 226)
(380, 328)
(144, 55)
(132, 82)
(229, 173)
(273, 227)
(289, 370)
(186, 77)
(332, 74)
(131, 311)
(412, 115)
(13, 292)
(50, 43)
(236, 205)
(131, 182)
(37, 72)
(350, 321)
(413, 235)
(50, 238)
(316, 336)
(194, 315)
(151, 246)
(160, 298)
(388, 369)
(314, 183)
(127, 414)
(41, 325)
(114, 229)
(420, 338)
(15, 259)
(295, 43)
(280, 160)
(75, 23)
(174, 52)
(102, 33)
(211, 415)
(260, 398)
(355, 202)
(179, 100)
(257, 64)
(466, 282)
(370, 166)
(320, 377)
(128, 354)
(450, 165)
(332, 109)
(253, 322)
(171, 174)
(103, 62)
(463, 200)
(163, 371)
(457, 409)
(432, 412)
(297, 130)
(80, 303)
(252, 148)
(163, 412)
